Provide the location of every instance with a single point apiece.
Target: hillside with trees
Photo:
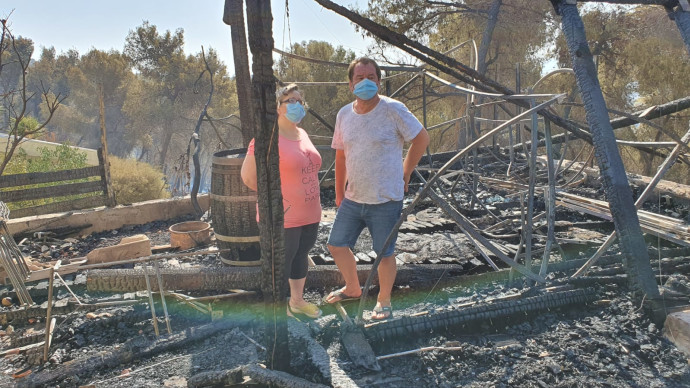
(153, 92)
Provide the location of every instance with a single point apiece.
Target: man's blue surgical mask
(366, 89)
(295, 112)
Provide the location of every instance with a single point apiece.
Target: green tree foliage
(170, 83)
(62, 157)
(326, 100)
(82, 77)
(161, 61)
(503, 33)
(520, 32)
(641, 61)
(16, 98)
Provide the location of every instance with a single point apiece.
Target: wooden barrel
(233, 210)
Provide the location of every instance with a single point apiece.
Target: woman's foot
(305, 308)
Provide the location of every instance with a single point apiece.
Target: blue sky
(86, 24)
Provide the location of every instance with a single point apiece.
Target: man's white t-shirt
(373, 144)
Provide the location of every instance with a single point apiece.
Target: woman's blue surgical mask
(366, 89)
(295, 112)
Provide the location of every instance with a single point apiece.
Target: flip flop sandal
(340, 297)
(386, 310)
(310, 310)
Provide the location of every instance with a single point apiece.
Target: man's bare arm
(414, 154)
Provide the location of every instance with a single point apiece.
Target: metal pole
(530, 193)
(153, 308)
(518, 126)
(162, 291)
(550, 198)
(46, 346)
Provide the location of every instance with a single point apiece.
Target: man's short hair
(363, 61)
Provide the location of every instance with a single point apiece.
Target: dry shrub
(135, 181)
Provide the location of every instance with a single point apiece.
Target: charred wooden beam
(411, 326)
(247, 278)
(270, 203)
(616, 186)
(301, 338)
(233, 15)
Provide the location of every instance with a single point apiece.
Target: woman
(299, 167)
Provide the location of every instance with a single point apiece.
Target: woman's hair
(285, 90)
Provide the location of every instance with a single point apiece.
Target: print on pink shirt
(310, 180)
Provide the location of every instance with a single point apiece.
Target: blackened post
(268, 183)
(681, 15)
(233, 15)
(614, 178)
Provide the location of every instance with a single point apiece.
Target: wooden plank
(63, 206)
(52, 191)
(668, 228)
(129, 248)
(41, 274)
(47, 177)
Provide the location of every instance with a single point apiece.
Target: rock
(79, 340)
(651, 328)
(554, 368)
(408, 257)
(176, 382)
(363, 257)
(476, 262)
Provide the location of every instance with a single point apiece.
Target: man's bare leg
(345, 260)
(387, 271)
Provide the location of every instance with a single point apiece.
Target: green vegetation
(62, 157)
(152, 92)
(135, 181)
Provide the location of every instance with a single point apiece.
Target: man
(371, 178)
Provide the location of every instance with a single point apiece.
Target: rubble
(457, 322)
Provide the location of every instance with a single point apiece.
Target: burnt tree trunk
(615, 182)
(234, 16)
(682, 19)
(268, 181)
(196, 139)
(165, 144)
(487, 35)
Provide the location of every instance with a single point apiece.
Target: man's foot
(380, 313)
(340, 296)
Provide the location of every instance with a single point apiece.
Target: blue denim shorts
(352, 217)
